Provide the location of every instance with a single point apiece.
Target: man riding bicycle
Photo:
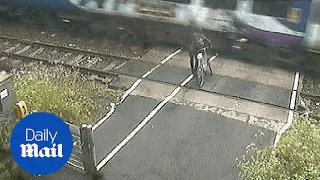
(198, 42)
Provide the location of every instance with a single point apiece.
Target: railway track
(100, 66)
(97, 64)
(82, 60)
(279, 62)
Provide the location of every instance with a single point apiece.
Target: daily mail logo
(41, 143)
(32, 150)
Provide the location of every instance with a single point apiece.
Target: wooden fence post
(88, 150)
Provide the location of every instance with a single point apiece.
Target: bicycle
(199, 65)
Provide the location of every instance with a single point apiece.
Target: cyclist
(198, 42)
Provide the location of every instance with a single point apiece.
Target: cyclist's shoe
(208, 65)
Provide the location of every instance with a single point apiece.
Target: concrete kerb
(240, 110)
(296, 86)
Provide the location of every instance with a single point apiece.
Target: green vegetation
(75, 100)
(5, 129)
(9, 170)
(297, 156)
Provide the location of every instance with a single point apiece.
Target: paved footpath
(183, 143)
(167, 128)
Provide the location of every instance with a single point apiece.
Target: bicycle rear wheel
(199, 73)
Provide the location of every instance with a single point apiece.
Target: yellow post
(21, 109)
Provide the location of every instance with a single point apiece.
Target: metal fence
(83, 155)
(76, 159)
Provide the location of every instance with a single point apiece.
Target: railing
(76, 159)
(83, 153)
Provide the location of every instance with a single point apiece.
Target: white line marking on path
(293, 100)
(170, 56)
(130, 90)
(284, 128)
(133, 87)
(150, 71)
(187, 80)
(142, 124)
(290, 115)
(161, 63)
(296, 81)
(113, 108)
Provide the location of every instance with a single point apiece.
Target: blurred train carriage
(287, 28)
(289, 25)
(151, 19)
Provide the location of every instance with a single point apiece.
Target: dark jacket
(198, 41)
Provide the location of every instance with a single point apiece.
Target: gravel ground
(312, 86)
(79, 39)
(315, 108)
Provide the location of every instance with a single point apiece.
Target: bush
(4, 172)
(297, 156)
(5, 132)
(9, 170)
(67, 97)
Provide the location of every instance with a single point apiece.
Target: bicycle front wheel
(199, 72)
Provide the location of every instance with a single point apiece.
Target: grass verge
(67, 94)
(297, 156)
(75, 100)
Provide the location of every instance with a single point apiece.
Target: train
(141, 19)
(288, 30)
(288, 26)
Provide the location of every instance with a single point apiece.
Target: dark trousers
(191, 56)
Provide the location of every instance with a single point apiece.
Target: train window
(221, 4)
(179, 1)
(294, 15)
(271, 8)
